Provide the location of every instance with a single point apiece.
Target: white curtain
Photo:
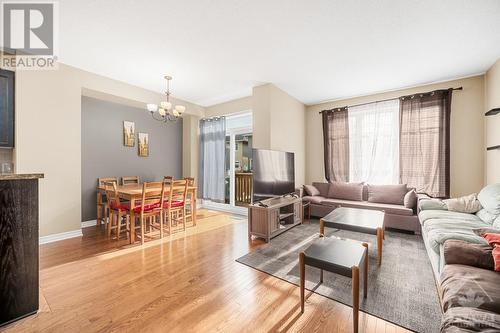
(374, 142)
(212, 159)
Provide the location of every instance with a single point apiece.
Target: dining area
(145, 211)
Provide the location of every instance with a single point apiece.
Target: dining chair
(190, 200)
(151, 207)
(119, 212)
(102, 203)
(130, 180)
(174, 203)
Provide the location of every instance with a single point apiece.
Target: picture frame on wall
(143, 144)
(128, 133)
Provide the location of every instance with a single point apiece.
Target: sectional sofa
(397, 201)
(462, 261)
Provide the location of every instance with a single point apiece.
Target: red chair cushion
(147, 208)
(175, 204)
(122, 206)
(137, 209)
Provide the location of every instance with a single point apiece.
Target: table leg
(380, 235)
(321, 228)
(302, 280)
(321, 276)
(132, 221)
(355, 297)
(365, 273)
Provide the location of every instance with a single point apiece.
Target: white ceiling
(217, 50)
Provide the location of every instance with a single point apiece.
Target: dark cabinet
(18, 248)
(6, 108)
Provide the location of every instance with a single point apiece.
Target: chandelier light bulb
(152, 107)
(162, 112)
(166, 105)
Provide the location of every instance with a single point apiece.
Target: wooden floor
(187, 283)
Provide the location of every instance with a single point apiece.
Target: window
(374, 142)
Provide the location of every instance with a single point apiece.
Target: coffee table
(360, 220)
(340, 256)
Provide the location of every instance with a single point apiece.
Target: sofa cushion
(439, 231)
(489, 197)
(311, 190)
(387, 208)
(444, 214)
(317, 199)
(466, 204)
(410, 199)
(470, 320)
(431, 204)
(486, 216)
(322, 188)
(464, 253)
(389, 194)
(467, 286)
(346, 191)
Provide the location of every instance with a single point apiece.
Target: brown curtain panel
(424, 142)
(336, 144)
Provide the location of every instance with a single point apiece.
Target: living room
(326, 167)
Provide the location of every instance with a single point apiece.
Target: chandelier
(165, 111)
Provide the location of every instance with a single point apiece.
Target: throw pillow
(494, 241)
(461, 252)
(346, 191)
(311, 190)
(389, 194)
(466, 204)
(486, 216)
(489, 197)
(432, 204)
(410, 199)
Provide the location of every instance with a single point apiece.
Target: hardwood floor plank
(188, 282)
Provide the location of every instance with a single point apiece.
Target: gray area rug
(401, 291)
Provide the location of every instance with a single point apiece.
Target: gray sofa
(462, 262)
(389, 198)
(439, 224)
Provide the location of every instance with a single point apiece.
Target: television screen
(273, 173)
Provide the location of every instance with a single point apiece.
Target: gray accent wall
(104, 155)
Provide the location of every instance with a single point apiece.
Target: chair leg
(119, 226)
(161, 224)
(110, 223)
(142, 230)
(184, 217)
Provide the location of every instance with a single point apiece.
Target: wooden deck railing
(243, 186)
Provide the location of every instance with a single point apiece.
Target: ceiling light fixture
(164, 112)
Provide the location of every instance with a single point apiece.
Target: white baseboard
(89, 223)
(57, 237)
(224, 208)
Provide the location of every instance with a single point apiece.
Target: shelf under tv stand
(280, 215)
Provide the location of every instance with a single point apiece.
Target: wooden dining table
(133, 193)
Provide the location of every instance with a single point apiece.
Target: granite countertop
(18, 176)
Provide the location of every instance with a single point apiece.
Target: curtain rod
(388, 99)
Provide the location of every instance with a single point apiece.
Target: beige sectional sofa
(389, 198)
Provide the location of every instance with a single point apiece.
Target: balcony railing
(243, 186)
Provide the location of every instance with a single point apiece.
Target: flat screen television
(273, 173)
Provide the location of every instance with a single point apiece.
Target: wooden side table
(306, 204)
(340, 256)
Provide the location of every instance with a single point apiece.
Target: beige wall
(467, 128)
(48, 135)
(279, 124)
(492, 123)
(231, 107)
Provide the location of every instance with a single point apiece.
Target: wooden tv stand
(280, 215)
